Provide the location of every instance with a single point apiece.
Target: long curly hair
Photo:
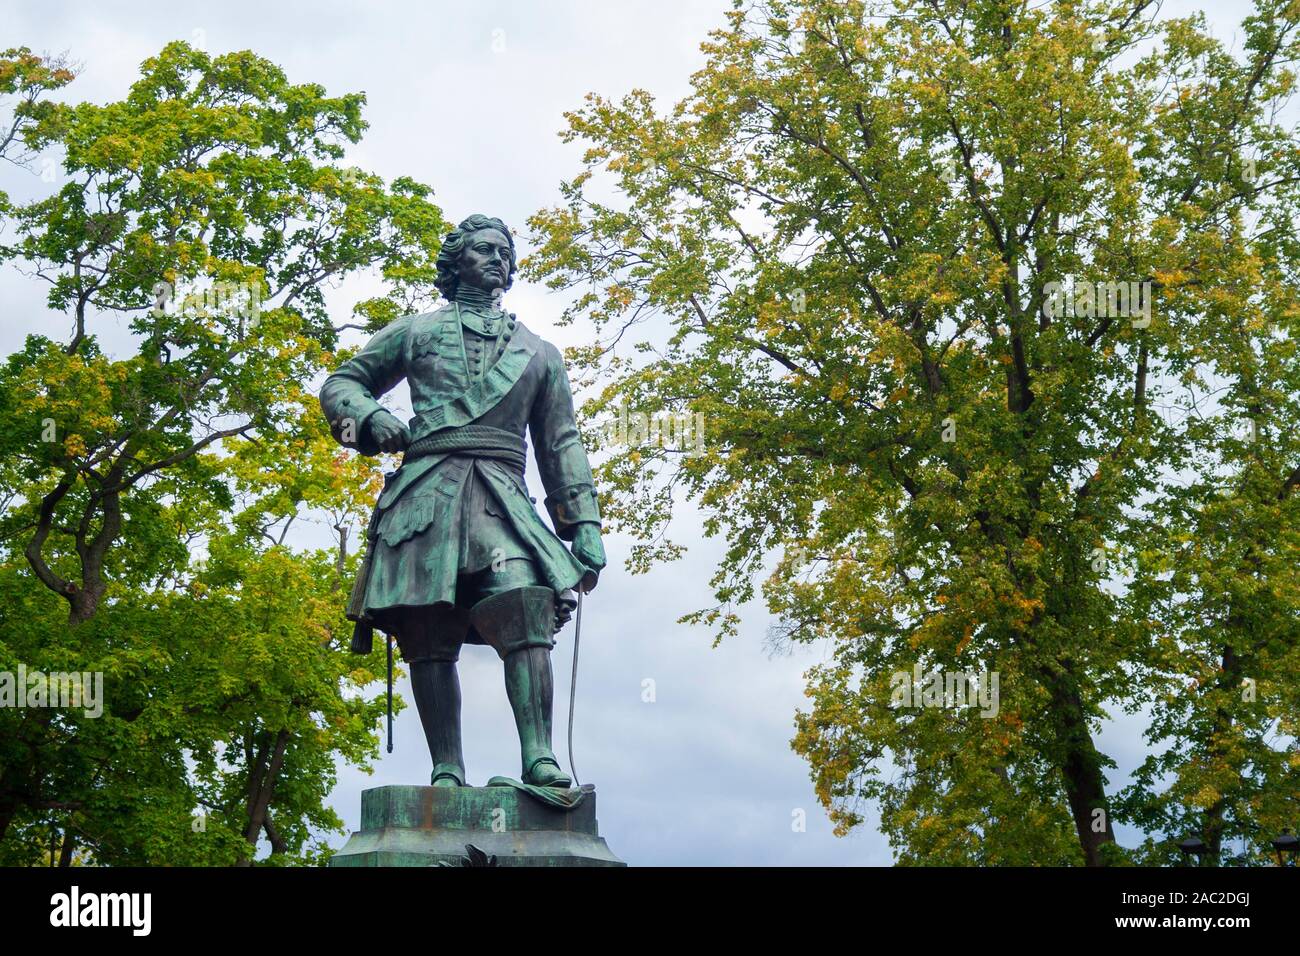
(448, 262)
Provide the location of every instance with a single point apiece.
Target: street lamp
(1288, 843)
(1193, 847)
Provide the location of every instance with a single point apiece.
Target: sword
(390, 691)
(573, 684)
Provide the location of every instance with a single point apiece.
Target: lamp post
(1193, 847)
(1289, 844)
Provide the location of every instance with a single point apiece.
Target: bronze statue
(456, 552)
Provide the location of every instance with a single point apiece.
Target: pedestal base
(429, 826)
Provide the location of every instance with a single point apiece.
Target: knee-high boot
(436, 688)
(519, 624)
(531, 689)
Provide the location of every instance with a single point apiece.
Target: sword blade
(389, 638)
(573, 684)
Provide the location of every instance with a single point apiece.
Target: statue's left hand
(589, 550)
(565, 602)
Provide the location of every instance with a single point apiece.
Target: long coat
(445, 513)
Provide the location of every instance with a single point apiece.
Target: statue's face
(485, 261)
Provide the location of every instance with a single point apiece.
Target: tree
(27, 79)
(205, 209)
(148, 487)
(975, 299)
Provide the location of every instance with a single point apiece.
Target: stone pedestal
(429, 826)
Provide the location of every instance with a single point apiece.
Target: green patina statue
(456, 552)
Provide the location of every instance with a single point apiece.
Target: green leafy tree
(148, 487)
(975, 298)
(206, 209)
(26, 80)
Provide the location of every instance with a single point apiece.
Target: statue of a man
(456, 552)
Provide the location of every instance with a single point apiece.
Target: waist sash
(477, 441)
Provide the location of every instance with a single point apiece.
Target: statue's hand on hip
(565, 602)
(388, 432)
(589, 550)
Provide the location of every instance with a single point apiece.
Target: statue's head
(479, 252)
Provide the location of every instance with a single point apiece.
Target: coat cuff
(351, 427)
(571, 506)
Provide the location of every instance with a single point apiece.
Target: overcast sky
(468, 97)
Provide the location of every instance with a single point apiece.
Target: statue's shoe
(546, 772)
(447, 775)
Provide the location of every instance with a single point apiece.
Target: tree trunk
(1080, 763)
(69, 845)
(82, 605)
(8, 807)
(1232, 669)
(261, 789)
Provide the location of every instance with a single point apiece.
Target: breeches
(507, 608)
